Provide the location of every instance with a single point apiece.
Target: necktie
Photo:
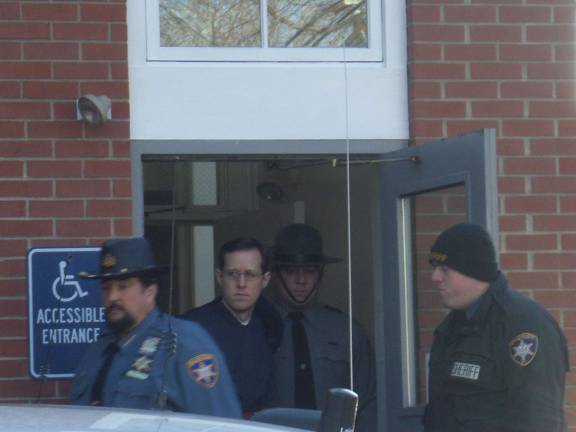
(109, 353)
(304, 395)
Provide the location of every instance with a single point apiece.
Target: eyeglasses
(236, 275)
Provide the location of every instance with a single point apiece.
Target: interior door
(443, 182)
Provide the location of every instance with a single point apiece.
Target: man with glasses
(314, 355)
(242, 322)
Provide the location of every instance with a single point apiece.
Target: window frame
(373, 53)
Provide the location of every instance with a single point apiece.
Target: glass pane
(210, 23)
(317, 23)
(431, 213)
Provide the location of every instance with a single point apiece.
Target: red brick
(519, 52)
(29, 149)
(56, 208)
(51, 51)
(495, 33)
(566, 128)
(11, 129)
(121, 149)
(565, 15)
(569, 280)
(568, 241)
(513, 261)
(496, 70)
(50, 90)
(9, 89)
(12, 268)
(497, 108)
(9, 208)
(472, 52)
(121, 111)
(24, 110)
(551, 71)
(472, 89)
(48, 12)
(118, 89)
(550, 33)
(534, 280)
(112, 208)
(551, 299)
(425, 52)
(553, 184)
(11, 168)
(525, 14)
(26, 387)
(430, 71)
(13, 287)
(553, 146)
(567, 166)
(554, 223)
(9, 11)
(523, 128)
(55, 129)
(25, 228)
(31, 70)
(566, 90)
(553, 109)
(64, 110)
(118, 32)
(107, 168)
(564, 52)
(121, 188)
(82, 188)
(438, 33)
(26, 188)
(122, 228)
(83, 228)
(58, 242)
(75, 149)
(527, 89)
(510, 147)
(10, 50)
(425, 90)
(531, 242)
(516, 223)
(427, 128)
(107, 13)
(12, 248)
(529, 166)
(530, 204)
(423, 13)
(84, 71)
(511, 185)
(119, 71)
(470, 14)
(568, 204)
(24, 30)
(80, 32)
(113, 129)
(104, 51)
(54, 169)
(459, 127)
(555, 261)
(439, 109)
(12, 368)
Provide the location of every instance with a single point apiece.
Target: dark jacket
(503, 370)
(248, 349)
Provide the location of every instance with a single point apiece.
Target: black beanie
(466, 248)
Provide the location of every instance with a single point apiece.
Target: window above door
(264, 30)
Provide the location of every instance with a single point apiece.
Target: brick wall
(509, 64)
(61, 182)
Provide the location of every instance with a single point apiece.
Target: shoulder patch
(523, 348)
(203, 369)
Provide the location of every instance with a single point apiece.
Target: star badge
(523, 348)
(203, 369)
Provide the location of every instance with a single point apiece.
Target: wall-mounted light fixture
(94, 110)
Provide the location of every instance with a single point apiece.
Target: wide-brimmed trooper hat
(300, 245)
(120, 259)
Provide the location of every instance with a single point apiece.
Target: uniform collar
(127, 340)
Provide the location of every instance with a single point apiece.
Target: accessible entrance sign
(65, 313)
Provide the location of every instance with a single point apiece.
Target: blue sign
(65, 313)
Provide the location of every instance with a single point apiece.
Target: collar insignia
(203, 369)
(523, 348)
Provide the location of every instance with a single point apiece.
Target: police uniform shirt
(162, 355)
(327, 330)
(501, 370)
(248, 348)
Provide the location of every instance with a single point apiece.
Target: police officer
(243, 323)
(147, 359)
(314, 355)
(498, 361)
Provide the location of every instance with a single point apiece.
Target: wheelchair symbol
(64, 287)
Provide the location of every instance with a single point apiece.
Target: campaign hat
(300, 245)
